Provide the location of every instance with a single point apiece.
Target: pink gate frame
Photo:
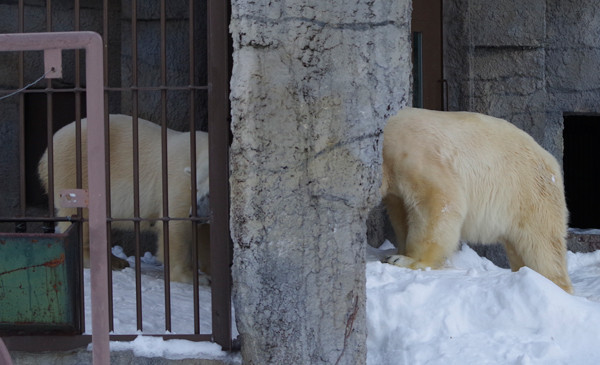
(91, 42)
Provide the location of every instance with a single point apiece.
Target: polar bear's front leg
(434, 215)
(180, 249)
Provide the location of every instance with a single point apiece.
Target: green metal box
(40, 283)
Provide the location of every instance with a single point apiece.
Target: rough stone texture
(527, 62)
(572, 56)
(313, 83)
(508, 22)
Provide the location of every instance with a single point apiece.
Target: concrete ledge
(583, 240)
(577, 241)
(83, 356)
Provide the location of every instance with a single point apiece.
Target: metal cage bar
(218, 114)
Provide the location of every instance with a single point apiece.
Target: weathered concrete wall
(528, 62)
(312, 84)
(572, 57)
(495, 55)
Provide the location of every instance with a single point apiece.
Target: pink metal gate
(52, 44)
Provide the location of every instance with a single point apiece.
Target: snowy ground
(182, 319)
(472, 312)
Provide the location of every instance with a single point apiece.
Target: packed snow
(473, 312)
(153, 314)
(470, 312)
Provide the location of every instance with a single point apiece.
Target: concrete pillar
(312, 84)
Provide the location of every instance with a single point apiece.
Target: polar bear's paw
(399, 260)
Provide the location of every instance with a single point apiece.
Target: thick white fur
(449, 176)
(150, 188)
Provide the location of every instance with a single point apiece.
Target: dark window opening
(417, 47)
(36, 113)
(582, 169)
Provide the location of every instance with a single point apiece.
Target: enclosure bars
(194, 210)
(92, 43)
(136, 165)
(107, 155)
(164, 160)
(218, 114)
(221, 284)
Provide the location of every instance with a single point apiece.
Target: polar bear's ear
(188, 170)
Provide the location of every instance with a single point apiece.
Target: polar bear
(150, 186)
(450, 176)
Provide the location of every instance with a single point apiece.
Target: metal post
(92, 43)
(4, 355)
(218, 126)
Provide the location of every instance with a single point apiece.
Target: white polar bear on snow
(150, 187)
(449, 176)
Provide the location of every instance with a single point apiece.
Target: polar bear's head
(202, 190)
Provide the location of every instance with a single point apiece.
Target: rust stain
(51, 264)
(56, 262)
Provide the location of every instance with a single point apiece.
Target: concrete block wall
(528, 62)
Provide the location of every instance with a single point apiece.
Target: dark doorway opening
(428, 78)
(36, 136)
(582, 169)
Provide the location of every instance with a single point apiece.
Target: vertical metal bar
(136, 169)
(21, 67)
(218, 112)
(49, 15)
(196, 292)
(79, 157)
(165, 173)
(22, 184)
(97, 199)
(49, 123)
(107, 156)
(444, 91)
(4, 355)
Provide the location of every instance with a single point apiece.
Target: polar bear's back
(452, 134)
(494, 170)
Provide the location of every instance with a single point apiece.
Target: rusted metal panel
(39, 283)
